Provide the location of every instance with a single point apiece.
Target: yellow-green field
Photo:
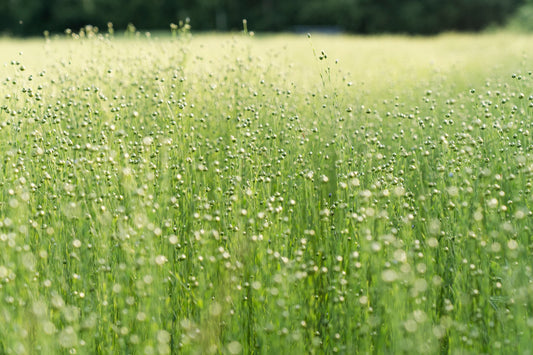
(226, 194)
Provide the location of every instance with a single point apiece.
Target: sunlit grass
(276, 194)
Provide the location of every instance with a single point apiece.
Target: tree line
(31, 17)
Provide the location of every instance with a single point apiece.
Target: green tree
(522, 19)
(360, 16)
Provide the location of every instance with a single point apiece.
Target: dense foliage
(273, 195)
(361, 16)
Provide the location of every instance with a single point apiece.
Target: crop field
(281, 194)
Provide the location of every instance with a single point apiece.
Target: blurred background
(32, 17)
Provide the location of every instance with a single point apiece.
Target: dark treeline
(31, 17)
